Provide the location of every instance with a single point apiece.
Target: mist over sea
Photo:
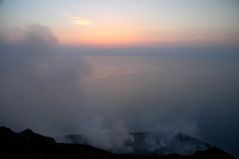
(196, 94)
(107, 93)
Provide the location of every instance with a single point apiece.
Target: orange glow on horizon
(110, 38)
(117, 37)
(120, 31)
(98, 38)
(105, 38)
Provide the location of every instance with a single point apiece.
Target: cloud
(114, 137)
(40, 82)
(79, 21)
(43, 87)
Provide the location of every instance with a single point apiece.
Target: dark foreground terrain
(29, 145)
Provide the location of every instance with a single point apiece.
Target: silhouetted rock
(29, 145)
(153, 143)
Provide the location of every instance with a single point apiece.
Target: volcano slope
(28, 144)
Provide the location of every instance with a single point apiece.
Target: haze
(100, 67)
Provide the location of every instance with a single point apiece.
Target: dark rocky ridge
(151, 143)
(28, 145)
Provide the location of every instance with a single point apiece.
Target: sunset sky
(129, 22)
(156, 64)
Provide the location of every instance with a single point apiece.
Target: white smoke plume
(43, 87)
(114, 137)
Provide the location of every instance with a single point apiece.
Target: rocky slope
(29, 145)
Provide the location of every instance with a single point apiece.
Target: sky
(176, 68)
(129, 22)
